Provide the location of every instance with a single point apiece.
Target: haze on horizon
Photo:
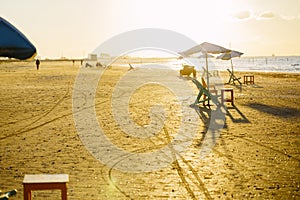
(74, 28)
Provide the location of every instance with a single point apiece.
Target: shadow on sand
(240, 86)
(214, 122)
(285, 112)
(233, 112)
(236, 115)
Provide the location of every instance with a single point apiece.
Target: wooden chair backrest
(203, 83)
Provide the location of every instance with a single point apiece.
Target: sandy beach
(256, 156)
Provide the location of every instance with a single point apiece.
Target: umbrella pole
(207, 75)
(233, 73)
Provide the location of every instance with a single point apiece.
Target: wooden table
(224, 99)
(45, 182)
(248, 79)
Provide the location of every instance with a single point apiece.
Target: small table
(45, 182)
(223, 99)
(249, 78)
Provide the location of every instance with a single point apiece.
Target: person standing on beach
(37, 62)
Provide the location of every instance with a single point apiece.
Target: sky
(75, 28)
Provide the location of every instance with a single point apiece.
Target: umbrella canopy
(13, 43)
(229, 56)
(205, 55)
(206, 48)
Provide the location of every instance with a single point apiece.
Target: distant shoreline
(284, 64)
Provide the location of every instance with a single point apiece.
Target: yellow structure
(187, 70)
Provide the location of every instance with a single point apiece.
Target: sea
(286, 64)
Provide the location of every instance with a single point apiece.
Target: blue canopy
(13, 43)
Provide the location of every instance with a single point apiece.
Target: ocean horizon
(290, 64)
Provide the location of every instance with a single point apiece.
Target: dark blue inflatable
(13, 44)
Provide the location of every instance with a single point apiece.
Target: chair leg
(199, 96)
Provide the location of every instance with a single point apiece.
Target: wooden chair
(212, 88)
(205, 73)
(203, 92)
(233, 78)
(130, 67)
(6, 195)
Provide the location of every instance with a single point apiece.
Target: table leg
(27, 193)
(231, 97)
(64, 193)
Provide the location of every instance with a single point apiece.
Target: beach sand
(257, 154)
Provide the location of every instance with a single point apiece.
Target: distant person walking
(37, 62)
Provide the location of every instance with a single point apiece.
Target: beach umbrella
(205, 48)
(205, 55)
(229, 56)
(13, 43)
(198, 56)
